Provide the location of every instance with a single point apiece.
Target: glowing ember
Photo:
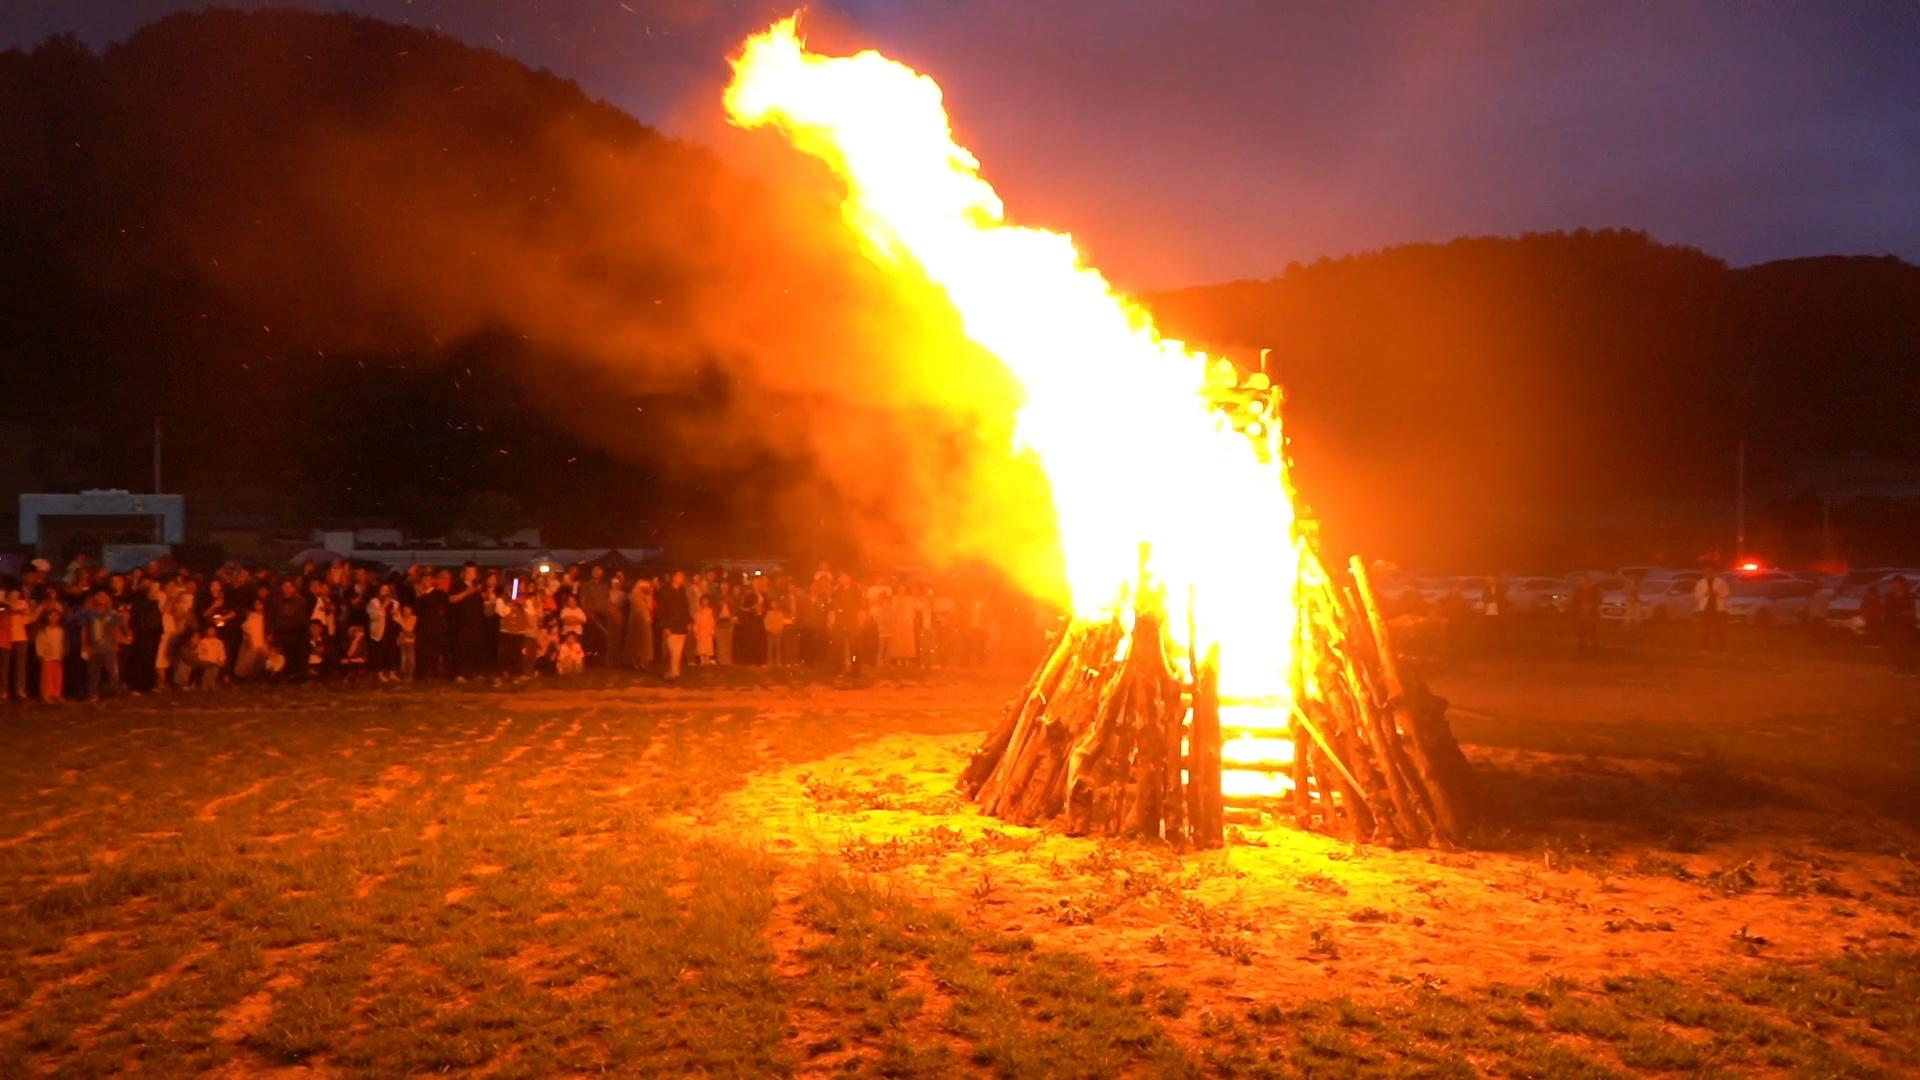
(1112, 410)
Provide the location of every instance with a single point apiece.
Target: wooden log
(1205, 808)
(978, 779)
(1446, 815)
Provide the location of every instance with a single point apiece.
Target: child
(276, 661)
(705, 625)
(776, 623)
(210, 657)
(573, 656)
(319, 650)
(353, 656)
(50, 645)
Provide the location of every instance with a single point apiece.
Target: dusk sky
(1187, 143)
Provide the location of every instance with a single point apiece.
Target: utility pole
(1740, 501)
(159, 523)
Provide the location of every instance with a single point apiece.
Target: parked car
(1536, 595)
(1664, 599)
(1770, 603)
(1843, 611)
(1641, 573)
(1661, 598)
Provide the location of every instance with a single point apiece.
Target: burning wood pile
(1110, 737)
(1212, 668)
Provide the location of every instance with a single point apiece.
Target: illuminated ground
(742, 880)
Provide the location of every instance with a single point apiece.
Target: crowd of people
(90, 634)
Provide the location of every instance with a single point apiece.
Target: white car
(1661, 599)
(1770, 603)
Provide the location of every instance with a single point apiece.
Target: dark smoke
(287, 197)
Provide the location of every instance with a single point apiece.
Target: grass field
(738, 881)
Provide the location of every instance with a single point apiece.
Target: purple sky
(1185, 142)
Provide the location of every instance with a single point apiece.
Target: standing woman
(640, 625)
(253, 643)
(383, 633)
(617, 613)
(705, 626)
(750, 629)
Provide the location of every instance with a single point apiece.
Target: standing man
(675, 618)
(1710, 596)
(1493, 611)
(1902, 633)
(430, 633)
(596, 595)
(291, 614)
(466, 618)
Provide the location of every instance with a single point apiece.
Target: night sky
(1185, 143)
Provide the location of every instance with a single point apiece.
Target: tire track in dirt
(211, 810)
(50, 825)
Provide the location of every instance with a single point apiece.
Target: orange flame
(1122, 420)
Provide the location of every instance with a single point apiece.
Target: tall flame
(1122, 420)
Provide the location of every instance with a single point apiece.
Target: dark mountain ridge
(360, 269)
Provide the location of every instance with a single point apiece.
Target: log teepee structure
(1116, 742)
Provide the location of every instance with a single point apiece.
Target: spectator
(210, 653)
(1495, 614)
(319, 651)
(50, 645)
(639, 642)
(100, 644)
(407, 642)
(721, 602)
(466, 623)
(619, 605)
(252, 661)
(353, 653)
(596, 595)
(430, 608)
(290, 632)
(383, 633)
(675, 618)
(776, 622)
(1901, 631)
(571, 658)
(705, 625)
(13, 645)
(1710, 598)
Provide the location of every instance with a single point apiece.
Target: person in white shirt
(1710, 599)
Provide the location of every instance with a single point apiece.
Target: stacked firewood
(1108, 735)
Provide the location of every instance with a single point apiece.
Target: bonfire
(1211, 667)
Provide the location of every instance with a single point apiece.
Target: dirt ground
(1687, 866)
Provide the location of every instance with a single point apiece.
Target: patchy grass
(535, 882)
